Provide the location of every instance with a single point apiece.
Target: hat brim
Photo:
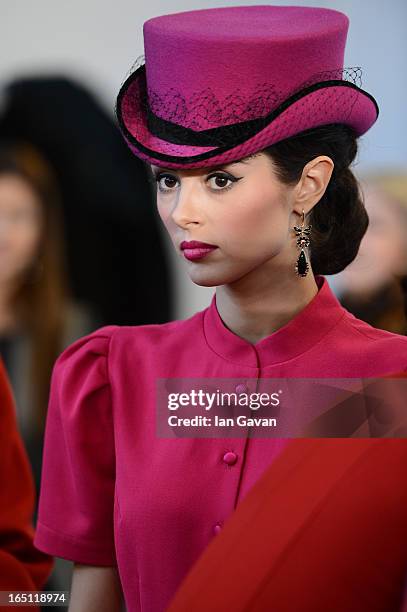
(323, 103)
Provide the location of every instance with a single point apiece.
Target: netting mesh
(191, 130)
(203, 110)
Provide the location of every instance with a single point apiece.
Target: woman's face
(241, 208)
(20, 226)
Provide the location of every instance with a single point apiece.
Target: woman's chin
(205, 280)
(206, 277)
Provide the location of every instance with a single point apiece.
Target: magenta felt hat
(216, 85)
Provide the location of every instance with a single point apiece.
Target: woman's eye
(220, 181)
(165, 181)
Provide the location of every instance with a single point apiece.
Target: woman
(133, 510)
(38, 316)
(33, 280)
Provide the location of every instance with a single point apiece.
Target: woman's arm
(95, 589)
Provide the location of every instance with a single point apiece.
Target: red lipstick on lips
(196, 250)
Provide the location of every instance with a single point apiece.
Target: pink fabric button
(241, 388)
(217, 529)
(230, 458)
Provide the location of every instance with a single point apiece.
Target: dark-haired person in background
(374, 286)
(105, 197)
(38, 316)
(133, 510)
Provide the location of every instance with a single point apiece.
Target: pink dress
(112, 492)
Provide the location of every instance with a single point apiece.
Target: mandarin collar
(301, 333)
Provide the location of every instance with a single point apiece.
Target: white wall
(97, 41)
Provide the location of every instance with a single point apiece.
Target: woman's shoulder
(95, 343)
(375, 343)
(373, 334)
(155, 335)
(81, 367)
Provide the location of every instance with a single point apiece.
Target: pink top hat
(219, 84)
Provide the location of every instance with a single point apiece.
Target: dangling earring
(303, 241)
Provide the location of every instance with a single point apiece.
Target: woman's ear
(313, 183)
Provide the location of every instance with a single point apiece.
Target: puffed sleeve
(76, 503)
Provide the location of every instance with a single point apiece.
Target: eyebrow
(245, 160)
(240, 161)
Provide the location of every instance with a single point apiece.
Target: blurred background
(80, 240)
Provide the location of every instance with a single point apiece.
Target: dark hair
(41, 289)
(339, 220)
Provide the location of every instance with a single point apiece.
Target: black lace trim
(224, 137)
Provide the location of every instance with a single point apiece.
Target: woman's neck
(255, 313)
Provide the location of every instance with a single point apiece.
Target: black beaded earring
(303, 241)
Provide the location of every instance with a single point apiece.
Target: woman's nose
(187, 208)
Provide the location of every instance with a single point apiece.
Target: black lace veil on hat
(183, 120)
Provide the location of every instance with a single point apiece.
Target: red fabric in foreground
(22, 566)
(325, 528)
